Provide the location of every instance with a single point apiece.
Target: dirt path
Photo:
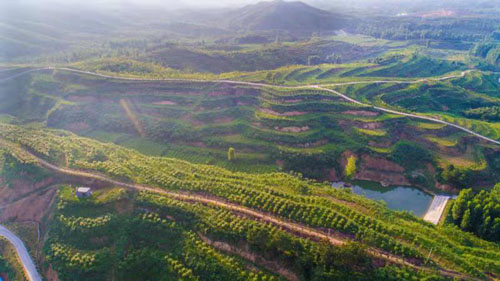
(285, 224)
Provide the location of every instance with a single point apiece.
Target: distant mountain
(281, 15)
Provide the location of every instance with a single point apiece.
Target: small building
(83, 192)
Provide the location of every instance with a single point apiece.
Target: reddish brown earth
(31, 208)
(51, 274)
(290, 113)
(381, 170)
(19, 188)
(446, 187)
(332, 175)
(360, 113)
(291, 100)
(346, 124)
(370, 162)
(165, 102)
(377, 169)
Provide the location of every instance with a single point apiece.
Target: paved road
(318, 87)
(22, 253)
(436, 209)
(410, 115)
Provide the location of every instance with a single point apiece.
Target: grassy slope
(199, 122)
(447, 99)
(394, 230)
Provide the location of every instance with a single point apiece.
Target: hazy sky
(178, 4)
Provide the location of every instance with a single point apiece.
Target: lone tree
(350, 168)
(230, 154)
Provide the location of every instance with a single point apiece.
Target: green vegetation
(350, 167)
(177, 125)
(171, 241)
(489, 51)
(230, 154)
(408, 154)
(479, 213)
(300, 130)
(484, 113)
(276, 193)
(9, 262)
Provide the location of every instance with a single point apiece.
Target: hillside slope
(280, 15)
(349, 217)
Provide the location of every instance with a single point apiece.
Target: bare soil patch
(289, 113)
(20, 188)
(346, 124)
(381, 164)
(360, 113)
(381, 170)
(165, 102)
(292, 129)
(32, 208)
(51, 274)
(291, 100)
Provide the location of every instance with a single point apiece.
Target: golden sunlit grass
(442, 141)
(376, 133)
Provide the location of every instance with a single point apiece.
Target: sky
(203, 4)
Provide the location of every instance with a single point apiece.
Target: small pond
(401, 198)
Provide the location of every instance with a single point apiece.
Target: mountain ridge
(295, 16)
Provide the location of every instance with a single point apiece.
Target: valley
(275, 140)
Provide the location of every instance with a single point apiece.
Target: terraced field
(305, 130)
(449, 100)
(398, 66)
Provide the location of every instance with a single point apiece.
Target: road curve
(318, 87)
(409, 115)
(25, 258)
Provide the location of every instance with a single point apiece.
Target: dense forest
(479, 212)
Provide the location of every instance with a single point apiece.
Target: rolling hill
(280, 15)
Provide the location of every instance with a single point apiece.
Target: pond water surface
(401, 198)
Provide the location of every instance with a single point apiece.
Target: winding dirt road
(281, 222)
(317, 87)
